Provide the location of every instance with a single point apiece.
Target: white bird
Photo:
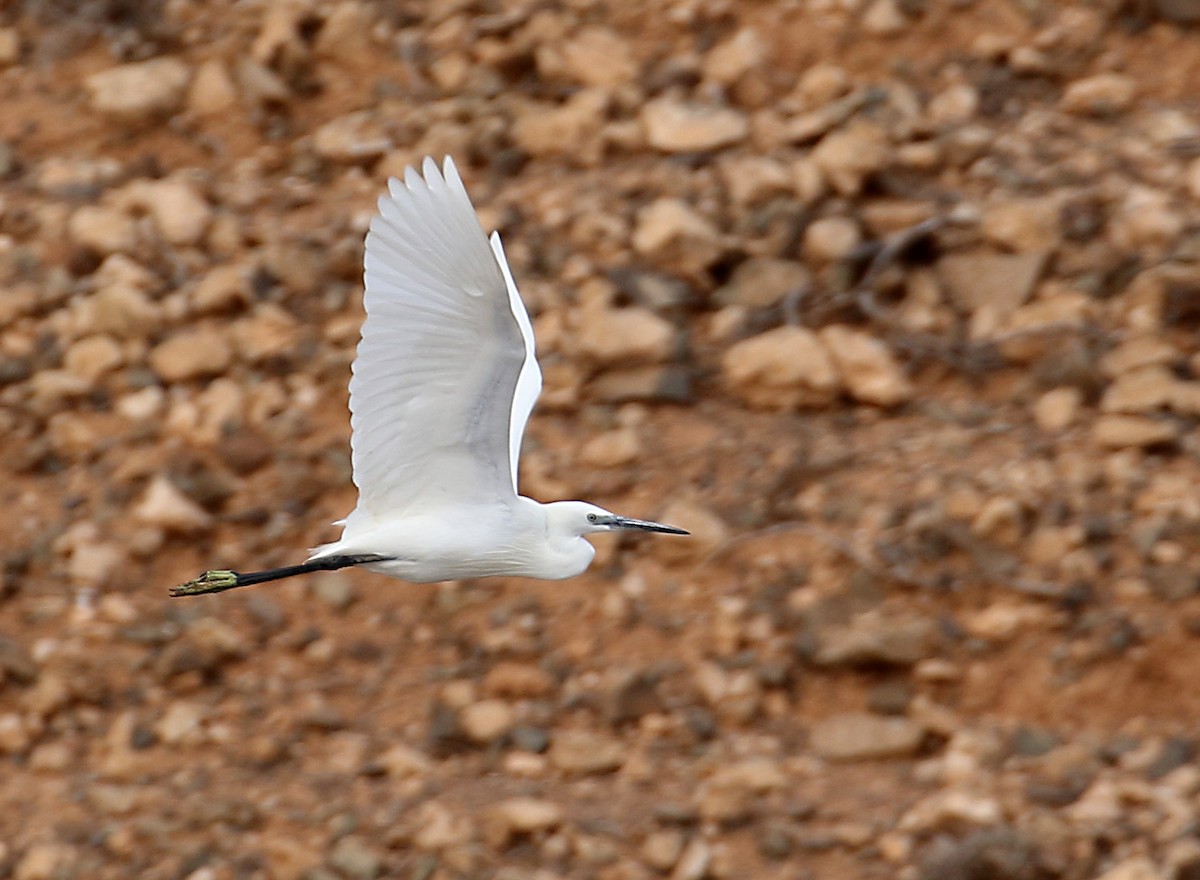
(443, 383)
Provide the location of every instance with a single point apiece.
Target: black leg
(220, 580)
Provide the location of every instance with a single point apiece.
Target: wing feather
(444, 378)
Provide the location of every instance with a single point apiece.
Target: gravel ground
(895, 304)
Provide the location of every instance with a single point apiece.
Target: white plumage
(442, 387)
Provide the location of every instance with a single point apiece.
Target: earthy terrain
(894, 303)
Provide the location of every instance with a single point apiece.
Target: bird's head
(580, 518)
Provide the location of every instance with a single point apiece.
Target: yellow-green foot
(209, 582)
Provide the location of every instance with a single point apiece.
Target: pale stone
(180, 212)
(596, 56)
(10, 46)
(583, 752)
(732, 58)
(1121, 431)
(570, 129)
(213, 91)
(883, 18)
(1002, 282)
(402, 761)
(165, 506)
(223, 288)
(847, 158)
(355, 137)
(831, 239)
(625, 336)
(120, 310)
(486, 720)
(270, 332)
(675, 235)
(103, 229)
(519, 815)
(611, 449)
(1139, 391)
(761, 282)
(191, 354)
(856, 736)
(783, 368)
(685, 127)
(1022, 225)
(1057, 409)
(866, 366)
(1101, 95)
(141, 90)
(92, 357)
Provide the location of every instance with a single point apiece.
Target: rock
(1134, 868)
(855, 736)
(1022, 225)
(1146, 218)
(695, 862)
(625, 336)
(883, 18)
(611, 449)
(597, 56)
(486, 721)
(676, 236)
(335, 590)
(1137, 353)
(675, 126)
(402, 761)
(570, 129)
(760, 282)
(730, 794)
(213, 91)
(1000, 282)
(708, 530)
(181, 724)
(271, 332)
(16, 663)
(662, 384)
(1139, 391)
(1057, 409)
(1104, 94)
(518, 816)
(191, 354)
(439, 829)
(953, 106)
(751, 180)
(734, 57)
(92, 357)
(165, 506)
(998, 854)
(1120, 431)
(581, 752)
(224, 288)
(102, 229)
(831, 239)
(847, 158)
(661, 849)
(346, 34)
(867, 367)
(140, 91)
(871, 639)
(180, 212)
(354, 859)
(10, 46)
(353, 138)
(784, 368)
(120, 310)
(45, 861)
(520, 681)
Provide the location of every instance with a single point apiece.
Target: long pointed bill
(625, 522)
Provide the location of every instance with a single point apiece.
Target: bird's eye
(592, 517)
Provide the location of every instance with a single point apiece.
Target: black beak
(625, 522)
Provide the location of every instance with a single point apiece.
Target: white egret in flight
(442, 386)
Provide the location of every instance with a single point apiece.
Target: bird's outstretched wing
(445, 375)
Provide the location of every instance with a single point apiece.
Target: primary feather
(446, 347)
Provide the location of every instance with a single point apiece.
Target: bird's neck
(557, 552)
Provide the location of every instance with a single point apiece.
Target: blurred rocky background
(894, 303)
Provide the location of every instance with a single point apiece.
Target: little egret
(441, 388)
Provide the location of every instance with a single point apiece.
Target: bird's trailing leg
(220, 580)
